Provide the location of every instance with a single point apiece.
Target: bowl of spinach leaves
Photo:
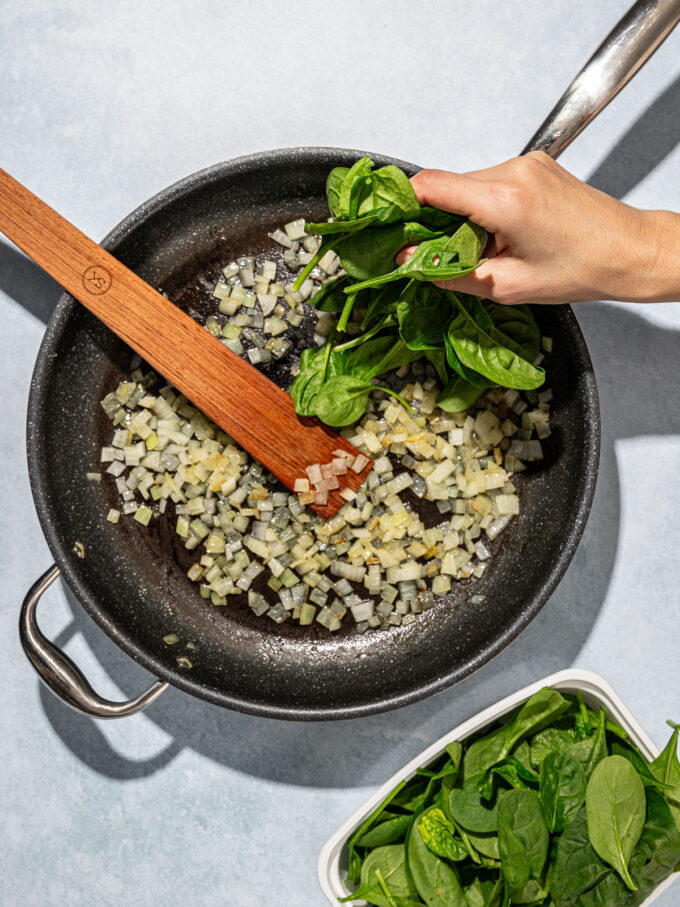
(553, 796)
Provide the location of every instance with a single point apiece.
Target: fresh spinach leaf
(576, 867)
(371, 253)
(363, 361)
(358, 197)
(562, 790)
(443, 258)
(516, 328)
(397, 355)
(469, 811)
(435, 881)
(666, 768)
(455, 753)
(334, 184)
(483, 892)
(537, 712)
(531, 893)
(658, 851)
(486, 845)
(486, 355)
(591, 751)
(523, 837)
(391, 186)
(609, 892)
(423, 312)
(436, 219)
(390, 863)
(342, 400)
(393, 829)
(550, 740)
(512, 772)
(639, 763)
(304, 391)
(355, 188)
(616, 810)
(440, 837)
(382, 302)
(458, 394)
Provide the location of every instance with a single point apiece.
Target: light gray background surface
(104, 104)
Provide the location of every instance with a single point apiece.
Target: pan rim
(67, 561)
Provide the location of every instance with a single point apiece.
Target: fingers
(405, 254)
(502, 279)
(453, 192)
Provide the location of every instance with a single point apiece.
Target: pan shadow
(26, 283)
(364, 751)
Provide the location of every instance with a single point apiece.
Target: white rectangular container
(332, 865)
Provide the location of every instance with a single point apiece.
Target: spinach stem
(392, 393)
(313, 261)
(346, 311)
(357, 341)
(584, 713)
(327, 353)
(386, 891)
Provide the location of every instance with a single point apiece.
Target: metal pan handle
(58, 671)
(627, 47)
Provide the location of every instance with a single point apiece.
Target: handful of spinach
(554, 806)
(403, 316)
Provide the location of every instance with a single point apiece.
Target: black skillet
(132, 581)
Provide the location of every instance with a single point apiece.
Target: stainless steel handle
(627, 47)
(58, 671)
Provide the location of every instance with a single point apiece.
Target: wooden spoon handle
(253, 410)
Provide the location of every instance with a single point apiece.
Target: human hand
(555, 239)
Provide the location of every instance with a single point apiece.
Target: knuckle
(539, 158)
(510, 196)
(526, 169)
(423, 180)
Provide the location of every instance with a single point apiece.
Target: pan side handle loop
(60, 674)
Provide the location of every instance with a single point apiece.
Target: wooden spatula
(256, 413)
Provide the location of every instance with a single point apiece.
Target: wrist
(652, 271)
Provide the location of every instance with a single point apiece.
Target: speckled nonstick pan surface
(133, 581)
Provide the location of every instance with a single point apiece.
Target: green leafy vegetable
(523, 837)
(469, 811)
(487, 355)
(443, 258)
(667, 769)
(473, 344)
(435, 881)
(479, 827)
(616, 810)
(458, 395)
(439, 836)
(535, 714)
(390, 863)
(577, 867)
(562, 789)
(591, 751)
(421, 312)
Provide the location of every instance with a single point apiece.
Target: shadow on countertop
(367, 750)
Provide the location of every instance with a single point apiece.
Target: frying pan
(132, 580)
